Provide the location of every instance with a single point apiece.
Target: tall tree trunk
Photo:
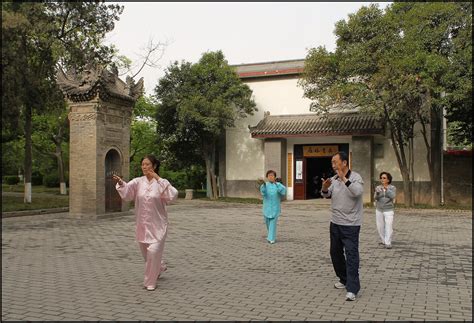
(436, 150)
(59, 157)
(404, 169)
(398, 147)
(213, 173)
(424, 132)
(62, 180)
(209, 156)
(211, 178)
(411, 154)
(28, 154)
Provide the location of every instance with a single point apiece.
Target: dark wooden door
(113, 202)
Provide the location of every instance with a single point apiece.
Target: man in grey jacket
(345, 189)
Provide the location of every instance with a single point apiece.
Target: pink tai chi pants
(153, 254)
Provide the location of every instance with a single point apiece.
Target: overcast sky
(246, 32)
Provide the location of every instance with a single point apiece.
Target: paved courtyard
(221, 268)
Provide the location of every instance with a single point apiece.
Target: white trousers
(385, 225)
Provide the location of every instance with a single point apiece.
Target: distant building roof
(255, 70)
(305, 125)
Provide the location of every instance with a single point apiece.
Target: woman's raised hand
(152, 173)
(118, 179)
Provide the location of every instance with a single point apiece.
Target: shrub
(11, 180)
(51, 180)
(36, 179)
(177, 179)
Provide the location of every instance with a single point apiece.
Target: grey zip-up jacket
(346, 199)
(384, 200)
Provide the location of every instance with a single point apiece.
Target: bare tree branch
(153, 53)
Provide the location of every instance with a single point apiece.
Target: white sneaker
(339, 285)
(350, 297)
(151, 288)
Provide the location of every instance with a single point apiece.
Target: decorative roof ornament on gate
(98, 81)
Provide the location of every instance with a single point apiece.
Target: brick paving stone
(220, 267)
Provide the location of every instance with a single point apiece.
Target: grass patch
(15, 203)
(34, 189)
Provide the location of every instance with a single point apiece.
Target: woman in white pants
(384, 197)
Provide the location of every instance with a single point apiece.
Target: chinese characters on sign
(320, 151)
(299, 169)
(290, 164)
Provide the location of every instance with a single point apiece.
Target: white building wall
(389, 161)
(245, 155)
(279, 96)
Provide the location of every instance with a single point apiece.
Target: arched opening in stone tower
(113, 202)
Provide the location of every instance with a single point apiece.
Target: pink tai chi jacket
(151, 198)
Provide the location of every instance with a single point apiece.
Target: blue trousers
(345, 240)
(271, 228)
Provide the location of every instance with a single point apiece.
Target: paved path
(221, 268)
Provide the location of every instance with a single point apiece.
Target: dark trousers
(345, 239)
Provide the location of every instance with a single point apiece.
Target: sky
(246, 32)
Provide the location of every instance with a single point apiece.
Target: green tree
(360, 74)
(197, 102)
(51, 139)
(12, 156)
(439, 38)
(37, 38)
(392, 64)
(442, 33)
(143, 133)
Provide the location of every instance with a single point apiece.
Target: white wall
(244, 155)
(389, 161)
(279, 96)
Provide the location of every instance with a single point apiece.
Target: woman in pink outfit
(151, 194)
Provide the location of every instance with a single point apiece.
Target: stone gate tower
(100, 110)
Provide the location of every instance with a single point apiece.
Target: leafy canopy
(197, 102)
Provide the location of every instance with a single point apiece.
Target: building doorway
(316, 169)
(113, 202)
(313, 160)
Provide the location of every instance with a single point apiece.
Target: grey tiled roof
(288, 67)
(301, 125)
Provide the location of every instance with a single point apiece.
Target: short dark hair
(154, 161)
(271, 171)
(389, 176)
(343, 156)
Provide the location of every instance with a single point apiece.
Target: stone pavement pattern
(221, 268)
